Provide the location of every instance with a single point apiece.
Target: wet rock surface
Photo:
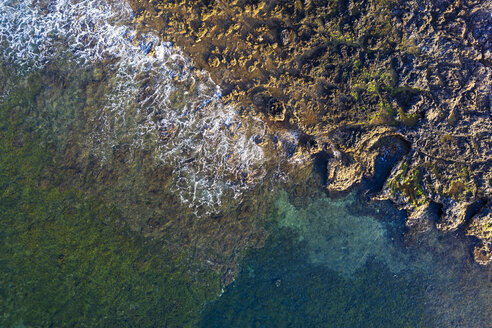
(397, 90)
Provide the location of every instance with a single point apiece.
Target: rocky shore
(381, 90)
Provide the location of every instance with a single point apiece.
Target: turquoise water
(129, 192)
(295, 281)
(347, 263)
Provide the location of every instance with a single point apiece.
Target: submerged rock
(337, 238)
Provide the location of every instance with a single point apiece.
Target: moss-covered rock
(421, 68)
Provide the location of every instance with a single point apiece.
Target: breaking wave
(154, 98)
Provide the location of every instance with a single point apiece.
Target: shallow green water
(66, 260)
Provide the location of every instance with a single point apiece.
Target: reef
(395, 93)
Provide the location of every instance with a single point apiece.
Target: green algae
(64, 109)
(66, 257)
(409, 120)
(409, 182)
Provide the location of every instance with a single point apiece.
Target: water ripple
(153, 99)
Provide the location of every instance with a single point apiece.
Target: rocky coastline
(393, 91)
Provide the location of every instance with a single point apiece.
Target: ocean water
(348, 262)
(79, 87)
(150, 89)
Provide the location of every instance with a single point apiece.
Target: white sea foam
(154, 97)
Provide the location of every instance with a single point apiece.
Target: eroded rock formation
(396, 89)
